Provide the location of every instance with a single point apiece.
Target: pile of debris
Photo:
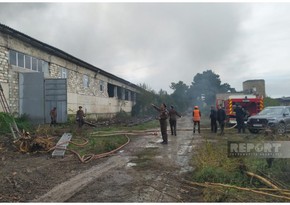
(27, 143)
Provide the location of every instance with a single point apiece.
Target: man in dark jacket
(53, 116)
(80, 117)
(221, 117)
(163, 115)
(213, 116)
(172, 119)
(240, 115)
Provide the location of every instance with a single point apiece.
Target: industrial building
(256, 87)
(37, 77)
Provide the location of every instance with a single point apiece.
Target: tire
(254, 131)
(281, 128)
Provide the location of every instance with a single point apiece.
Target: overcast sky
(160, 43)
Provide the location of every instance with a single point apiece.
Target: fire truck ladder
(13, 126)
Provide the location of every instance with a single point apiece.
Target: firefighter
(213, 118)
(221, 118)
(163, 115)
(196, 115)
(240, 116)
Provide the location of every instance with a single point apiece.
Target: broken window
(119, 92)
(134, 97)
(111, 90)
(126, 95)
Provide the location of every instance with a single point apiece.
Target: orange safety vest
(196, 115)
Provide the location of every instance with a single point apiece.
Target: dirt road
(143, 171)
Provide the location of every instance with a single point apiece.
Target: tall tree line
(201, 92)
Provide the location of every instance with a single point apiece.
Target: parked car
(277, 118)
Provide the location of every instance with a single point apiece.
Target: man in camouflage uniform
(163, 115)
(172, 119)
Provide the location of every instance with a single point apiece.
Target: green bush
(23, 123)
(122, 115)
(220, 175)
(6, 119)
(213, 165)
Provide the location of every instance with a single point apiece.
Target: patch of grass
(144, 126)
(98, 144)
(7, 119)
(213, 165)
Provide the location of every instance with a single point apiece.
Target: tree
(144, 98)
(270, 102)
(179, 95)
(205, 86)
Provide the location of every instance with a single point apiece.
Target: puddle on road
(151, 145)
(130, 164)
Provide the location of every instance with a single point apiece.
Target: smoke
(152, 43)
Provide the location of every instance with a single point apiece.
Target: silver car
(277, 118)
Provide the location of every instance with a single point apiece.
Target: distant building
(256, 87)
(37, 77)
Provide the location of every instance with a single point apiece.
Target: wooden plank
(62, 145)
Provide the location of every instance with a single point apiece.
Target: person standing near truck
(221, 118)
(213, 118)
(240, 116)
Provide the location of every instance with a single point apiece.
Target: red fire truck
(251, 103)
